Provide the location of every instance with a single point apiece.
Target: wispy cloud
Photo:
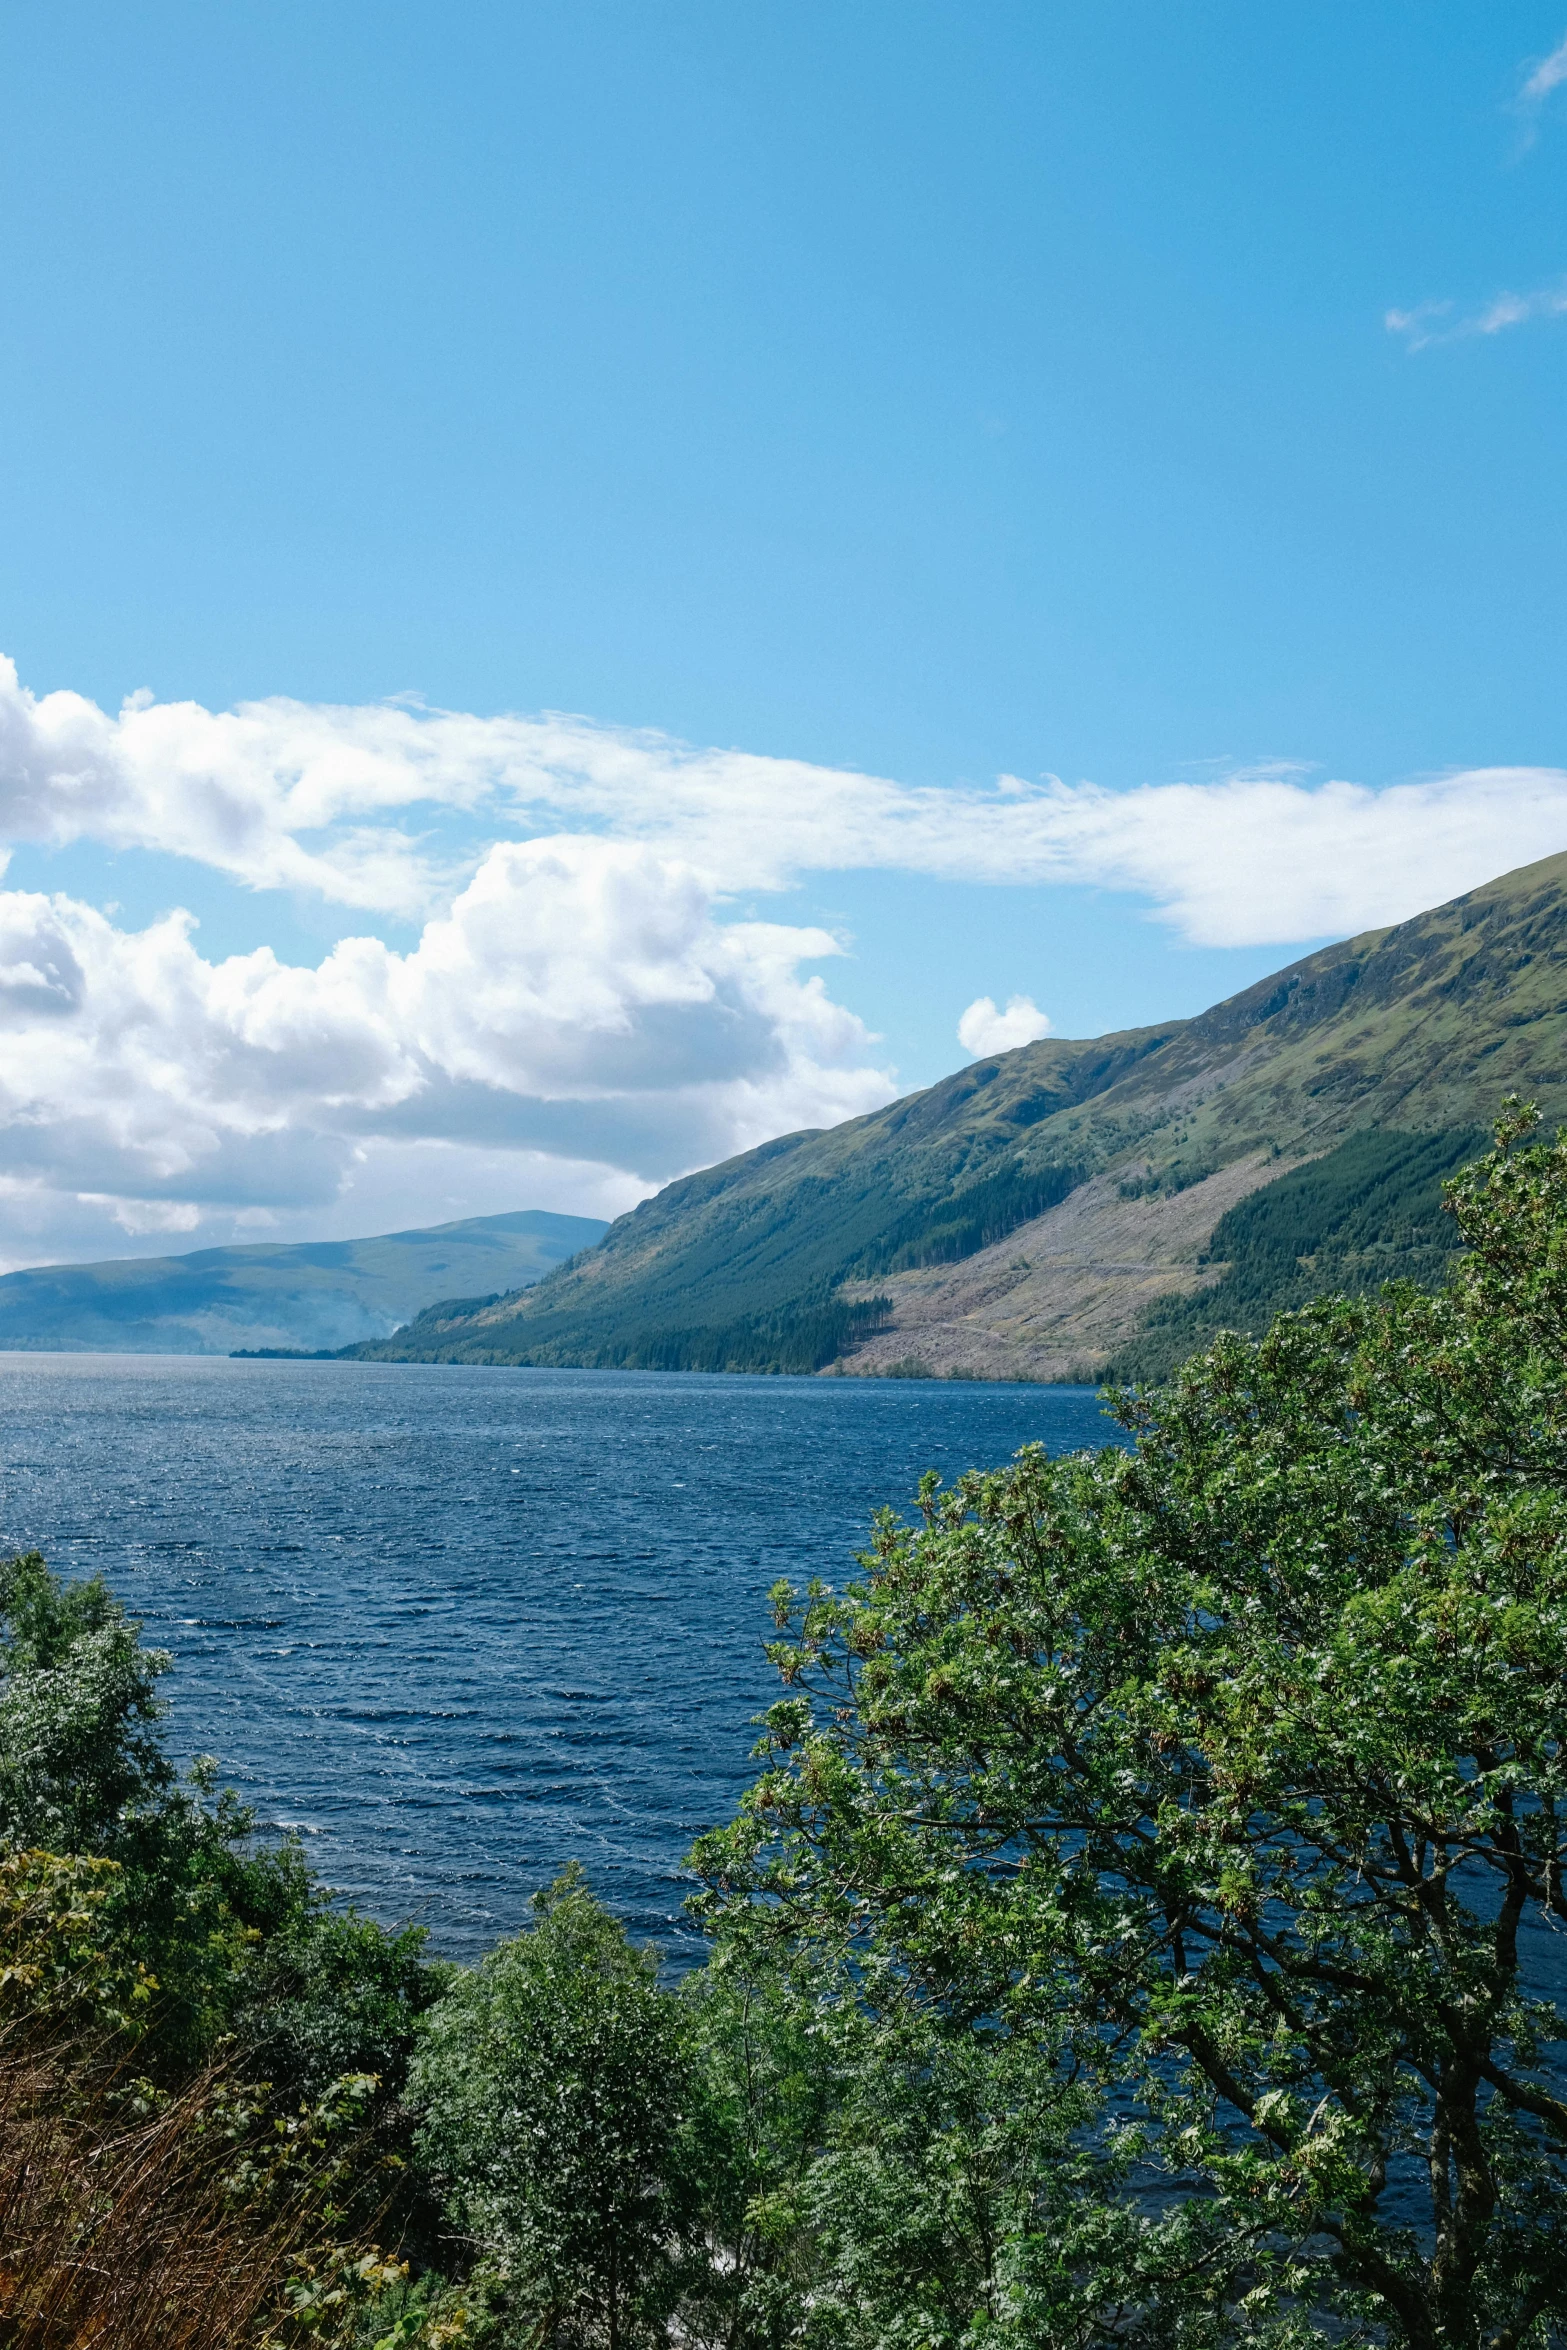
(277, 793)
(1547, 75)
(1429, 323)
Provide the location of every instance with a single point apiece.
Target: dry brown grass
(131, 2216)
(130, 2223)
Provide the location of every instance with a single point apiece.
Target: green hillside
(277, 1296)
(1411, 1032)
(1347, 1222)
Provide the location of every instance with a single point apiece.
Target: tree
(331, 1993)
(229, 1934)
(1230, 1768)
(944, 2151)
(765, 2080)
(866, 2175)
(79, 1752)
(83, 1772)
(552, 2081)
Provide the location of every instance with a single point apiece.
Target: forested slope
(797, 1255)
(1345, 1223)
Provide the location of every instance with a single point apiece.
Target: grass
(130, 2221)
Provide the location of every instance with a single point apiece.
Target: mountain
(1072, 1206)
(312, 1295)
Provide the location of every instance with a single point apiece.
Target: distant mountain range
(1071, 1207)
(307, 1297)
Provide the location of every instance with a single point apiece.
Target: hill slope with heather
(1057, 1209)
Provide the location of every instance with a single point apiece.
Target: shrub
(552, 2081)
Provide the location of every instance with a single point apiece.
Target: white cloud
(581, 997)
(578, 1002)
(283, 793)
(1257, 860)
(1431, 323)
(983, 1029)
(1547, 76)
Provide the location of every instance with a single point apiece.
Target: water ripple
(462, 1626)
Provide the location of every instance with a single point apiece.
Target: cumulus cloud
(578, 1000)
(983, 1029)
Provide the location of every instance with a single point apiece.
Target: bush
(552, 2081)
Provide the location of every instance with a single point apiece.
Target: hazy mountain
(1054, 1209)
(309, 1295)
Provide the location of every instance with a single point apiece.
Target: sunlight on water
(461, 1626)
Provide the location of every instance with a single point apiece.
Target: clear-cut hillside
(1050, 1210)
(276, 1296)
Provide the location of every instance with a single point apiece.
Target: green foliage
(1135, 1935)
(1377, 1201)
(799, 1335)
(216, 1933)
(1365, 1213)
(199, 2057)
(942, 2150)
(764, 2080)
(65, 1969)
(82, 1772)
(944, 1231)
(1233, 1770)
(873, 2172)
(79, 1754)
(332, 1993)
(552, 2082)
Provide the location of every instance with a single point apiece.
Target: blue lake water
(462, 1626)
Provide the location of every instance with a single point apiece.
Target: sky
(585, 585)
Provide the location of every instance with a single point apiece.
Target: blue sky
(1160, 402)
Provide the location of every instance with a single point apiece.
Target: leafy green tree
(65, 1971)
(222, 1933)
(943, 2150)
(1231, 1769)
(864, 2176)
(875, 2174)
(83, 1772)
(553, 2082)
(766, 2077)
(332, 1993)
(79, 1750)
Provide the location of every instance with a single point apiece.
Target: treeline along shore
(1143, 1926)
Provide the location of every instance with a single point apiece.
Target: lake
(459, 1626)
